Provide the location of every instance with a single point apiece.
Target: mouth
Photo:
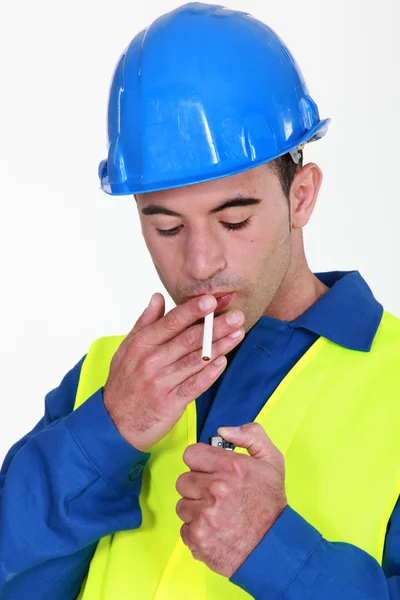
(223, 300)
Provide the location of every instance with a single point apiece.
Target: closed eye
(228, 226)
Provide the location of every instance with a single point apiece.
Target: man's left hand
(230, 500)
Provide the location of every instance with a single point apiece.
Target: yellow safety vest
(336, 419)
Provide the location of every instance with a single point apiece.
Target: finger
(185, 534)
(252, 437)
(188, 510)
(203, 458)
(195, 385)
(152, 313)
(193, 363)
(178, 319)
(191, 340)
(189, 540)
(194, 486)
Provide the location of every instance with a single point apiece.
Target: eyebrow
(156, 209)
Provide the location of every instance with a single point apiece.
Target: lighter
(219, 442)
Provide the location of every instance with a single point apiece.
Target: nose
(204, 254)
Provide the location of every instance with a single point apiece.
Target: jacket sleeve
(69, 482)
(294, 562)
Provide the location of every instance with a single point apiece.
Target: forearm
(294, 562)
(66, 488)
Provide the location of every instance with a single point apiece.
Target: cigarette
(207, 337)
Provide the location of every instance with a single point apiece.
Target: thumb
(154, 311)
(252, 437)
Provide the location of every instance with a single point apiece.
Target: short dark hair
(285, 168)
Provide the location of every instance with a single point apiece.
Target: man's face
(205, 256)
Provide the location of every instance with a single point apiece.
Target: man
(116, 493)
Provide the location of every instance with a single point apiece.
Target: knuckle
(137, 345)
(178, 366)
(157, 385)
(187, 362)
(189, 337)
(171, 321)
(131, 343)
(238, 467)
(255, 428)
(188, 388)
(139, 339)
(181, 392)
(198, 533)
(193, 359)
(208, 515)
(148, 365)
(219, 489)
(191, 384)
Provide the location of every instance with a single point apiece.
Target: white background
(74, 266)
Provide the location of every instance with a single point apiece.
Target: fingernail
(233, 318)
(219, 361)
(228, 430)
(207, 303)
(236, 334)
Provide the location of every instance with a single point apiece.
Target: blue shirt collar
(348, 314)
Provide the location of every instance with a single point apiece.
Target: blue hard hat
(204, 92)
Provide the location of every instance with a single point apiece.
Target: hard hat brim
(219, 170)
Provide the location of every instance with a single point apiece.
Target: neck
(299, 290)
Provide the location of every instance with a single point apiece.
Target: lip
(215, 294)
(224, 300)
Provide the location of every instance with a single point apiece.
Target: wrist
(105, 449)
(124, 425)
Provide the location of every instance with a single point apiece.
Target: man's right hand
(158, 370)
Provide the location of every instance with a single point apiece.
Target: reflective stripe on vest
(335, 417)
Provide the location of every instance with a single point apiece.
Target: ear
(303, 194)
